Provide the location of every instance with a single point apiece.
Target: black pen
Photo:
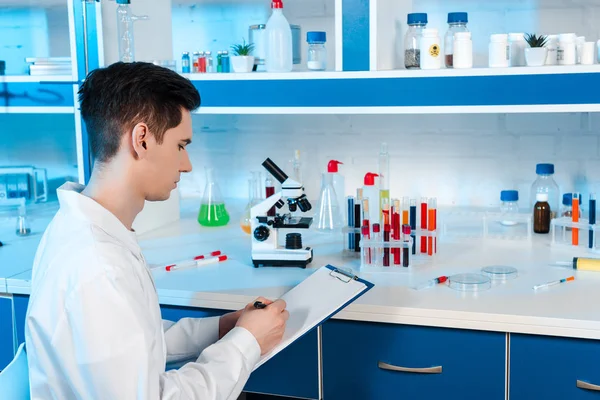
(259, 304)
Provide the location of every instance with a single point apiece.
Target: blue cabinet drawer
(359, 361)
(293, 372)
(544, 367)
(7, 348)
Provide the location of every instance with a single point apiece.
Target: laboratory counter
(493, 338)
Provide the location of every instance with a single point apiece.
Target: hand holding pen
(266, 321)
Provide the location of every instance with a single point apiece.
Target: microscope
(265, 229)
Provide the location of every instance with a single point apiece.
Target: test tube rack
(375, 251)
(561, 230)
(486, 225)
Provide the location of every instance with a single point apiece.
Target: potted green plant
(242, 59)
(535, 54)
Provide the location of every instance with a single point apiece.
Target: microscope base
(283, 258)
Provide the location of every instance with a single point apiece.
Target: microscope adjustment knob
(261, 233)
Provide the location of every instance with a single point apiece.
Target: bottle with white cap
(541, 214)
(463, 50)
(499, 51)
(431, 57)
(567, 49)
(546, 184)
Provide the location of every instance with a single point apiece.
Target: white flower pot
(242, 63)
(535, 56)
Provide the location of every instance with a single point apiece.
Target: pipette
(189, 261)
(431, 283)
(195, 264)
(548, 284)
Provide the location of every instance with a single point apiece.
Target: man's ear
(139, 140)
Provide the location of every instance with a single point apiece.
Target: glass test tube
(592, 219)
(386, 251)
(405, 209)
(366, 222)
(424, 224)
(365, 258)
(413, 223)
(575, 217)
(396, 230)
(431, 222)
(405, 250)
(269, 191)
(377, 251)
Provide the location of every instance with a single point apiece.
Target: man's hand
(227, 322)
(267, 324)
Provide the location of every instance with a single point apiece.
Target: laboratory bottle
(212, 208)
(317, 52)
(567, 49)
(22, 228)
(431, 57)
(517, 45)
(509, 207)
(296, 167)
(463, 50)
(125, 20)
(329, 215)
(552, 46)
(457, 22)
(541, 214)
(339, 184)
(499, 51)
(545, 184)
(279, 41)
(384, 178)
(371, 192)
(412, 40)
(567, 207)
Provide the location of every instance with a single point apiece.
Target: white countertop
(564, 310)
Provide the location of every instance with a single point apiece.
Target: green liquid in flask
(213, 215)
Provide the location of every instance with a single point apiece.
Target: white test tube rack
(561, 232)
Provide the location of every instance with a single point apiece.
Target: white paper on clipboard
(314, 300)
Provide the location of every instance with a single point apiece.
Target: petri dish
(500, 273)
(469, 282)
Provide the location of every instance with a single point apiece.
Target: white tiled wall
(463, 160)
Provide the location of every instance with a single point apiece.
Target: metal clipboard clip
(343, 275)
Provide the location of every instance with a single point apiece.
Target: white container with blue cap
(317, 53)
(510, 206)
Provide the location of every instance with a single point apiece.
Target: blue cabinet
(364, 361)
(293, 372)
(543, 367)
(7, 349)
(20, 304)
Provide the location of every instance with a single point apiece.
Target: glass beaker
(212, 209)
(246, 220)
(329, 216)
(125, 20)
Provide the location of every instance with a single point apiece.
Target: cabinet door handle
(430, 370)
(587, 386)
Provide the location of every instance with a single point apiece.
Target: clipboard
(315, 300)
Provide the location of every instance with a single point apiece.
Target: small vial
(22, 224)
(185, 62)
(209, 62)
(510, 205)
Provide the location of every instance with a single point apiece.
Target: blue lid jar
(568, 199)
(316, 37)
(458, 17)
(509, 195)
(544, 169)
(416, 18)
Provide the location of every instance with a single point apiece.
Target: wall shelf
(480, 90)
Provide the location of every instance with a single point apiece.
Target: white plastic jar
(463, 50)
(552, 46)
(499, 51)
(567, 51)
(517, 45)
(431, 54)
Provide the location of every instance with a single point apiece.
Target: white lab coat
(94, 328)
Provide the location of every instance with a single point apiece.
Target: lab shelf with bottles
(481, 90)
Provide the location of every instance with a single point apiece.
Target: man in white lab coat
(93, 327)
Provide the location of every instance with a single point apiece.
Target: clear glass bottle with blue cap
(412, 52)
(510, 205)
(457, 22)
(545, 183)
(567, 206)
(317, 52)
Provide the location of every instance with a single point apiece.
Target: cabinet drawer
(7, 349)
(544, 367)
(293, 372)
(437, 363)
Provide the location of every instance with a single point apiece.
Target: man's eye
(181, 147)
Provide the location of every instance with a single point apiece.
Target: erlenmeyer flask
(329, 216)
(212, 209)
(245, 222)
